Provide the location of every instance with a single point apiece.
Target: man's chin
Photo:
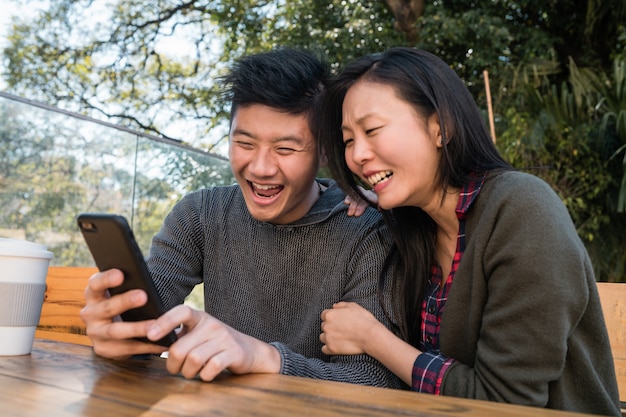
(261, 210)
(263, 216)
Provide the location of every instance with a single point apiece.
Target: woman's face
(390, 146)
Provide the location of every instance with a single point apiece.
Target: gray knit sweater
(272, 282)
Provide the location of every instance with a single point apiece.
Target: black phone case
(112, 245)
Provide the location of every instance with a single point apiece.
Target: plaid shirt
(431, 365)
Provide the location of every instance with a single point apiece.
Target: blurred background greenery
(556, 72)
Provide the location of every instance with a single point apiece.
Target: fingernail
(153, 331)
(136, 297)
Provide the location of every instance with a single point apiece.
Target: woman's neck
(447, 223)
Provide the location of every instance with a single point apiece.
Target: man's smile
(265, 190)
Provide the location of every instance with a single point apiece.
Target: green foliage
(565, 135)
(613, 104)
(510, 38)
(556, 72)
(113, 60)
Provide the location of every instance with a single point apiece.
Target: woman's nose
(360, 151)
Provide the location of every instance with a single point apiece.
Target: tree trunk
(406, 13)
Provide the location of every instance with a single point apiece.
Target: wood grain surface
(64, 379)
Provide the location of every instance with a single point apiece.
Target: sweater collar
(329, 203)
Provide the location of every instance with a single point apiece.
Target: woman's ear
(439, 136)
(323, 158)
(434, 130)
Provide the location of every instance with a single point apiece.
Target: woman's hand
(357, 205)
(347, 328)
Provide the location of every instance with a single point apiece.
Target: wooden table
(64, 379)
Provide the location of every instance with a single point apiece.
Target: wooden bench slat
(64, 298)
(613, 300)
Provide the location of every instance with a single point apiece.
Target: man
(273, 251)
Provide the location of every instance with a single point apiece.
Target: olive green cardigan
(523, 319)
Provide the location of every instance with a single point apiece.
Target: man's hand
(206, 346)
(111, 337)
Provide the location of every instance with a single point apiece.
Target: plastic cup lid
(24, 248)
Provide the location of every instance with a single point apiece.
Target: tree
(109, 60)
(112, 62)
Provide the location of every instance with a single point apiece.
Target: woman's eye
(348, 141)
(372, 130)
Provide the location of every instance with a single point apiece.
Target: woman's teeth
(379, 177)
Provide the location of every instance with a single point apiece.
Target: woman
(495, 290)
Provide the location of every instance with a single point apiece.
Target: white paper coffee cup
(23, 271)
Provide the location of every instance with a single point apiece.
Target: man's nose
(264, 164)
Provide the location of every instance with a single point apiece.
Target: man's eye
(246, 145)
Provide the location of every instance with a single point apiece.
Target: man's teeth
(266, 191)
(264, 187)
(379, 177)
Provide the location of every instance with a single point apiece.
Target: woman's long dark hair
(432, 87)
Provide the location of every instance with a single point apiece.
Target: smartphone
(112, 244)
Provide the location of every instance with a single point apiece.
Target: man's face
(274, 158)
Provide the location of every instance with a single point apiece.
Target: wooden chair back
(60, 314)
(613, 300)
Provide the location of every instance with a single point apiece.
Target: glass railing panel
(164, 174)
(54, 165)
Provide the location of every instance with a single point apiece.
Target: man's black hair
(285, 79)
